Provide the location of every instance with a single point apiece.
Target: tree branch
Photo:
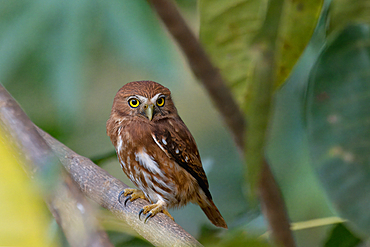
(69, 207)
(104, 189)
(273, 205)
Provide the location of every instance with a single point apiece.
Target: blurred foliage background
(63, 61)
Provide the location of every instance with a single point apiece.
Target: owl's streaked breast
(150, 169)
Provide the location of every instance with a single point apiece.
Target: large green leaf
(256, 44)
(299, 19)
(338, 119)
(227, 30)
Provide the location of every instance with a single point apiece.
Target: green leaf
(340, 236)
(299, 19)
(256, 44)
(227, 30)
(348, 12)
(338, 119)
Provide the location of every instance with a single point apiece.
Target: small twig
(68, 205)
(273, 207)
(271, 199)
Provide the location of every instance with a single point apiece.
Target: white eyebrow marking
(142, 99)
(154, 99)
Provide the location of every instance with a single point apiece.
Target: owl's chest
(151, 169)
(138, 151)
(134, 136)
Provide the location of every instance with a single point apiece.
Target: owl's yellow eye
(160, 101)
(133, 102)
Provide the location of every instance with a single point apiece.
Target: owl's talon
(141, 211)
(153, 209)
(148, 216)
(120, 195)
(128, 198)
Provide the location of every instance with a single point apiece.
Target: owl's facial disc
(147, 107)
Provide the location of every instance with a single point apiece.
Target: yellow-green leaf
(22, 211)
(298, 21)
(227, 28)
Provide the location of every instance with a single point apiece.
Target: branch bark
(69, 207)
(272, 203)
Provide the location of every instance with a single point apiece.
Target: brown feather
(181, 147)
(213, 214)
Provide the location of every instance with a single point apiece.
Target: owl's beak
(149, 110)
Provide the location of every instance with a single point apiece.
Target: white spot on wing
(164, 141)
(177, 151)
(159, 145)
(148, 162)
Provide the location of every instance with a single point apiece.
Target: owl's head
(146, 100)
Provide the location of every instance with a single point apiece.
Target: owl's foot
(153, 209)
(132, 194)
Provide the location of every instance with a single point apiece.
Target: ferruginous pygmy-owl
(157, 151)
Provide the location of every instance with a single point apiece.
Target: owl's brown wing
(174, 138)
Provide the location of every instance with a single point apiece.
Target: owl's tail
(210, 209)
